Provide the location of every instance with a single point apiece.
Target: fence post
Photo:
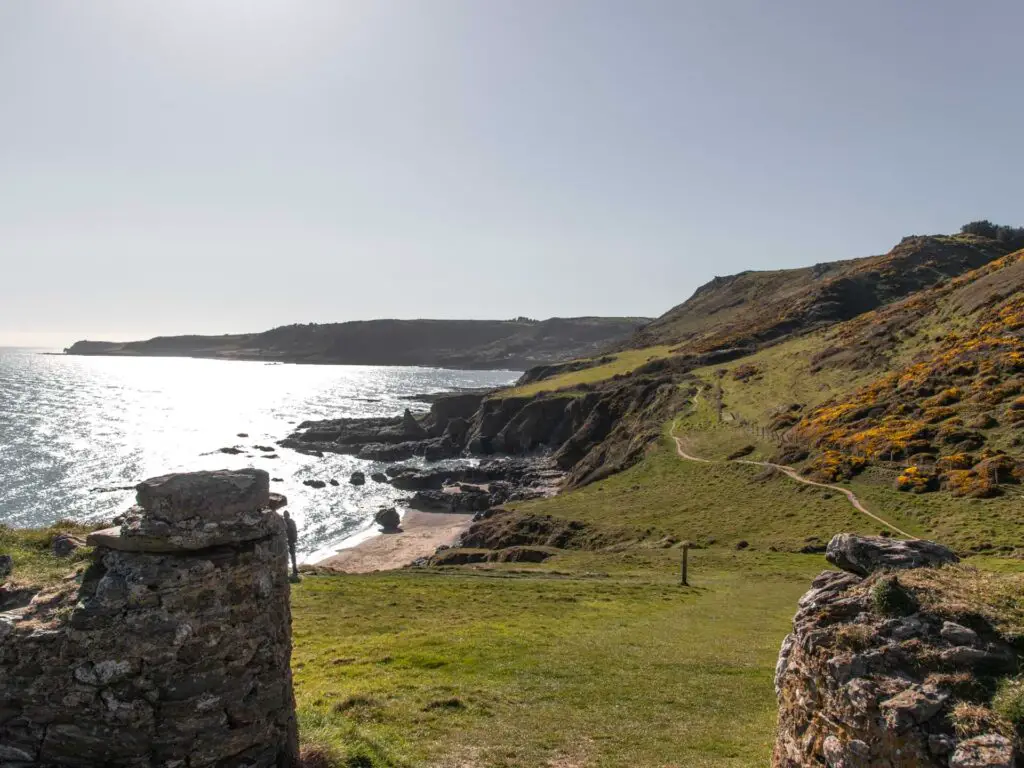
(683, 581)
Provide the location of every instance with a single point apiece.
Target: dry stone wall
(173, 651)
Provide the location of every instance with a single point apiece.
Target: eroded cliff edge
(904, 658)
(586, 435)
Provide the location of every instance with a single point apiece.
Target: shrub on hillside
(955, 461)
(954, 433)
(917, 480)
(947, 396)
(935, 415)
(1014, 417)
(982, 421)
(1001, 469)
(967, 482)
(745, 372)
(832, 466)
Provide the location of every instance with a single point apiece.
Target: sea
(76, 433)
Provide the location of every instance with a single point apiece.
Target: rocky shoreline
(471, 479)
(493, 448)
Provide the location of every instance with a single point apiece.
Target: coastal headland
(555, 631)
(466, 344)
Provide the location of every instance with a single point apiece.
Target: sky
(215, 166)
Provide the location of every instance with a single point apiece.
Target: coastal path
(793, 474)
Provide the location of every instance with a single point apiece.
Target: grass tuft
(1008, 702)
(31, 549)
(970, 720)
(890, 598)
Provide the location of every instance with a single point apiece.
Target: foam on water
(72, 424)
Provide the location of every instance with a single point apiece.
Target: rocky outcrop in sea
(578, 437)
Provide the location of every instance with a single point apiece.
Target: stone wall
(175, 648)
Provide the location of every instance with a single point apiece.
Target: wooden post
(686, 553)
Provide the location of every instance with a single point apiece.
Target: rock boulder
(863, 555)
(989, 751)
(411, 427)
(65, 544)
(388, 519)
(868, 681)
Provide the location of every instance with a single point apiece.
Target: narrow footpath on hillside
(792, 473)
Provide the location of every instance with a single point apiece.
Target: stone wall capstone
(175, 648)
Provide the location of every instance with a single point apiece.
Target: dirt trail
(792, 473)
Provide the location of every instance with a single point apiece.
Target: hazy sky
(215, 166)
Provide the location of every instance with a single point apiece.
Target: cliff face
(175, 650)
(588, 436)
(894, 662)
(494, 344)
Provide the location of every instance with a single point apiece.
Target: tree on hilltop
(1013, 236)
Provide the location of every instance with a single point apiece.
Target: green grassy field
(589, 660)
(622, 362)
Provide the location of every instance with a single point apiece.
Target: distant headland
(468, 344)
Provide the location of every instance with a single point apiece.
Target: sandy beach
(422, 533)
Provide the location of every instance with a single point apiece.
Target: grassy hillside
(508, 344)
(748, 313)
(911, 363)
(618, 364)
(752, 308)
(928, 387)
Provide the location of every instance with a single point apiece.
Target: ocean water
(71, 427)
